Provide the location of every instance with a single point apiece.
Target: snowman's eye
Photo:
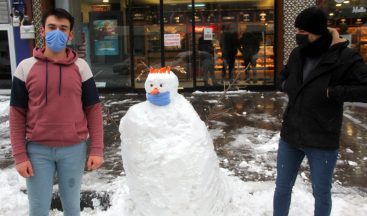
(151, 85)
(161, 85)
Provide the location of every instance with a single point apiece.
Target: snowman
(168, 155)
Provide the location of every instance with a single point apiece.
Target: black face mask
(302, 40)
(317, 47)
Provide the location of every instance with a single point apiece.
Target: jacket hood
(337, 41)
(71, 56)
(338, 45)
(333, 46)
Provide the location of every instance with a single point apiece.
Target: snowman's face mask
(160, 99)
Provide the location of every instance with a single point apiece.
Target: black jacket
(229, 44)
(313, 117)
(250, 43)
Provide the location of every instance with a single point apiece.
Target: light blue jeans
(322, 163)
(68, 163)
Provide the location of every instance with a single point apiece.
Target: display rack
(174, 55)
(180, 23)
(265, 57)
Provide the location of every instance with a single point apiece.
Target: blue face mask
(56, 40)
(160, 99)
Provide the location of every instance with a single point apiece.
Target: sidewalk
(245, 136)
(241, 134)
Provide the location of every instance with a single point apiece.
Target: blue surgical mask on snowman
(160, 99)
(56, 40)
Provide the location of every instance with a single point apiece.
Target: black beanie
(312, 20)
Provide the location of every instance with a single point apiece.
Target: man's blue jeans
(322, 163)
(68, 163)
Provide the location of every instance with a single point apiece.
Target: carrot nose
(154, 91)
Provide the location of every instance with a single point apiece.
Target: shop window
(5, 66)
(350, 19)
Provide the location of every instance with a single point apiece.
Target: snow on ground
(217, 130)
(251, 197)
(4, 126)
(221, 92)
(4, 105)
(354, 120)
(126, 101)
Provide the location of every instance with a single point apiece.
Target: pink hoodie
(54, 103)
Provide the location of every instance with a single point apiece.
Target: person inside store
(229, 44)
(54, 108)
(206, 56)
(249, 47)
(321, 74)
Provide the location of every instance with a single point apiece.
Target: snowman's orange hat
(160, 70)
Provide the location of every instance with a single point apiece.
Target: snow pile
(249, 198)
(168, 155)
(4, 105)
(13, 200)
(170, 162)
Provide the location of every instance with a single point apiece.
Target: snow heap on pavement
(169, 157)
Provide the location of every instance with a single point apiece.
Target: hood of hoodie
(71, 56)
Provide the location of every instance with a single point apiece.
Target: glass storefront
(350, 18)
(7, 56)
(207, 44)
(106, 47)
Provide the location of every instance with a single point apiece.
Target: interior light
(338, 5)
(105, 1)
(346, 2)
(197, 5)
(331, 14)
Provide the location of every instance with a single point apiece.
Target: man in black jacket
(206, 56)
(321, 74)
(250, 46)
(229, 44)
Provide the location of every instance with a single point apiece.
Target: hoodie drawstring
(46, 80)
(59, 80)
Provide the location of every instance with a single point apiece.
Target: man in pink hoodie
(54, 109)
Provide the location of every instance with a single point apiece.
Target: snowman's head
(161, 86)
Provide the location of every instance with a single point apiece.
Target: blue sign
(106, 47)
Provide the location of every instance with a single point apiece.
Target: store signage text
(359, 10)
(172, 40)
(208, 34)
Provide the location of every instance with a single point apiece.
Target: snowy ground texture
(246, 141)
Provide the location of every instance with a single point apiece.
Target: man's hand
(25, 169)
(336, 37)
(94, 162)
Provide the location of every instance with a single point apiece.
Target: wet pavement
(257, 116)
(261, 111)
(241, 125)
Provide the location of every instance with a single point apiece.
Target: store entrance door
(7, 56)
(161, 38)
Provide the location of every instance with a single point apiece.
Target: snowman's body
(170, 163)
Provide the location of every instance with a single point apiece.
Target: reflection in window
(350, 19)
(5, 67)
